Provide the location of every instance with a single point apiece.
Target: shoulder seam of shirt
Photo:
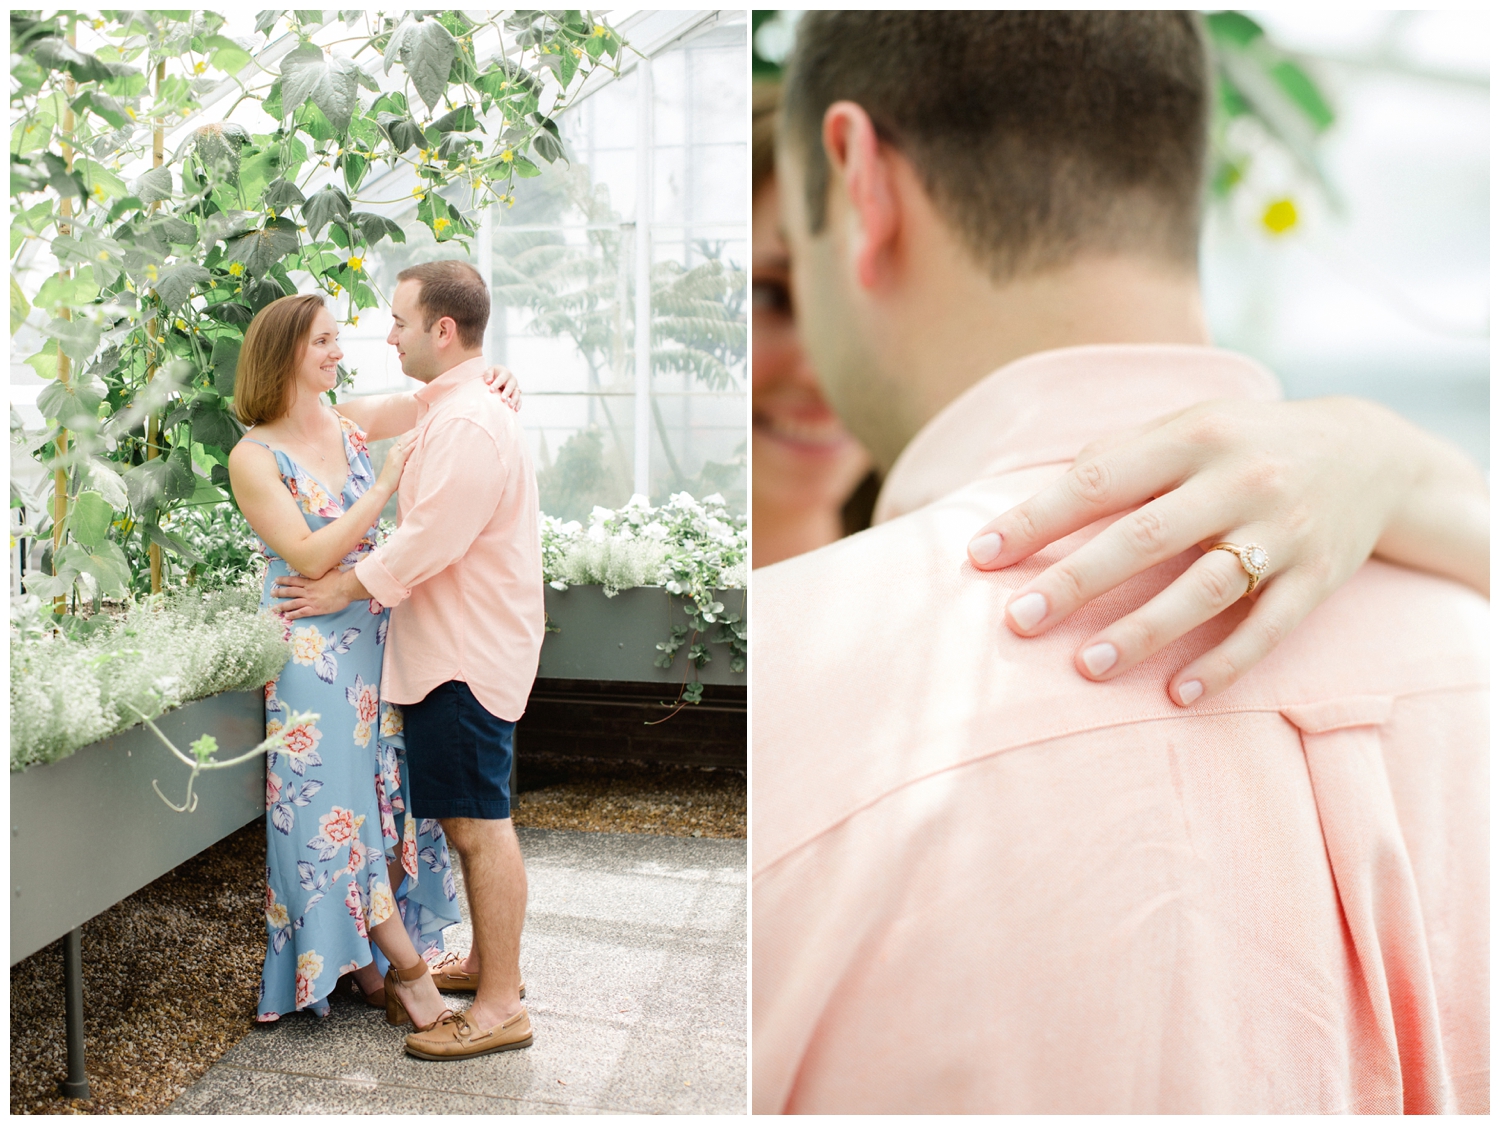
(456, 419)
(1176, 715)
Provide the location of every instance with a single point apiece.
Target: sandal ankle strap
(416, 972)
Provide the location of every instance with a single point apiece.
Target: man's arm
(462, 477)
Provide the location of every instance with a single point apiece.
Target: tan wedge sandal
(395, 1011)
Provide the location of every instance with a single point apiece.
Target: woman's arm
(383, 416)
(273, 513)
(1320, 485)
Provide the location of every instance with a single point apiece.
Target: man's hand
(315, 597)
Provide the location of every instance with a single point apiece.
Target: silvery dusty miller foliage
(164, 652)
(690, 548)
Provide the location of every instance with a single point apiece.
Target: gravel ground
(170, 973)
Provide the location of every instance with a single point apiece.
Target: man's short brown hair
(1038, 135)
(453, 289)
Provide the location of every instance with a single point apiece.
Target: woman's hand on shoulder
(1315, 484)
(396, 456)
(503, 382)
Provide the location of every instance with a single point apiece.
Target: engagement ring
(1253, 560)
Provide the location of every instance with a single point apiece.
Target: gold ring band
(1253, 561)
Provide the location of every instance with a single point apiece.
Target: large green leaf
(282, 194)
(226, 54)
(211, 423)
(171, 543)
(401, 129)
(153, 186)
(174, 285)
(79, 338)
(163, 479)
(100, 181)
(225, 361)
(55, 54)
(176, 230)
(106, 480)
(261, 249)
(375, 227)
(90, 519)
(20, 308)
(63, 291)
(324, 207)
(426, 49)
(460, 120)
(307, 74)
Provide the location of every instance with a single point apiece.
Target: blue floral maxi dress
(336, 797)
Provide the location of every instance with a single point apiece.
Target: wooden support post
(64, 364)
(153, 423)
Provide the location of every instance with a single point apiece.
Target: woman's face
(802, 455)
(318, 370)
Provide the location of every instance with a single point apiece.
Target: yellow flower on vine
(236, 269)
(416, 192)
(354, 320)
(199, 67)
(96, 24)
(356, 263)
(103, 255)
(151, 273)
(578, 52)
(1280, 216)
(130, 112)
(510, 200)
(424, 153)
(181, 324)
(508, 155)
(439, 224)
(599, 31)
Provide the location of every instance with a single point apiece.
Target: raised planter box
(89, 830)
(601, 638)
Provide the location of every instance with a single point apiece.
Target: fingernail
(985, 548)
(1189, 691)
(1028, 610)
(1099, 659)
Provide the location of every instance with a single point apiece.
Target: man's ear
(447, 331)
(864, 170)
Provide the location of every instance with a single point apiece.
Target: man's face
(837, 321)
(417, 347)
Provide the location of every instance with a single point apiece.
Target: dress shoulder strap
(252, 441)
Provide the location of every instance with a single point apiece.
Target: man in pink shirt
(463, 575)
(980, 882)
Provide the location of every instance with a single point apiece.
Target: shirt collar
(1043, 408)
(450, 380)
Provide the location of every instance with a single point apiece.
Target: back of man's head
(1038, 135)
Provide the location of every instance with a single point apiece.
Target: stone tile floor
(634, 957)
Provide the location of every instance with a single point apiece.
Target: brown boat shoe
(454, 1037)
(448, 974)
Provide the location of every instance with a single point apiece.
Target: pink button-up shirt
(984, 884)
(463, 571)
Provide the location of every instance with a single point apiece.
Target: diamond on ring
(1254, 561)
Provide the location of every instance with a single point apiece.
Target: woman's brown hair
(274, 344)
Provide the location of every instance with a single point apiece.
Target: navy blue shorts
(458, 756)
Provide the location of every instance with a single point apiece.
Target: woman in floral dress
(346, 867)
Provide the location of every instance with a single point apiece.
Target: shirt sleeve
(461, 481)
